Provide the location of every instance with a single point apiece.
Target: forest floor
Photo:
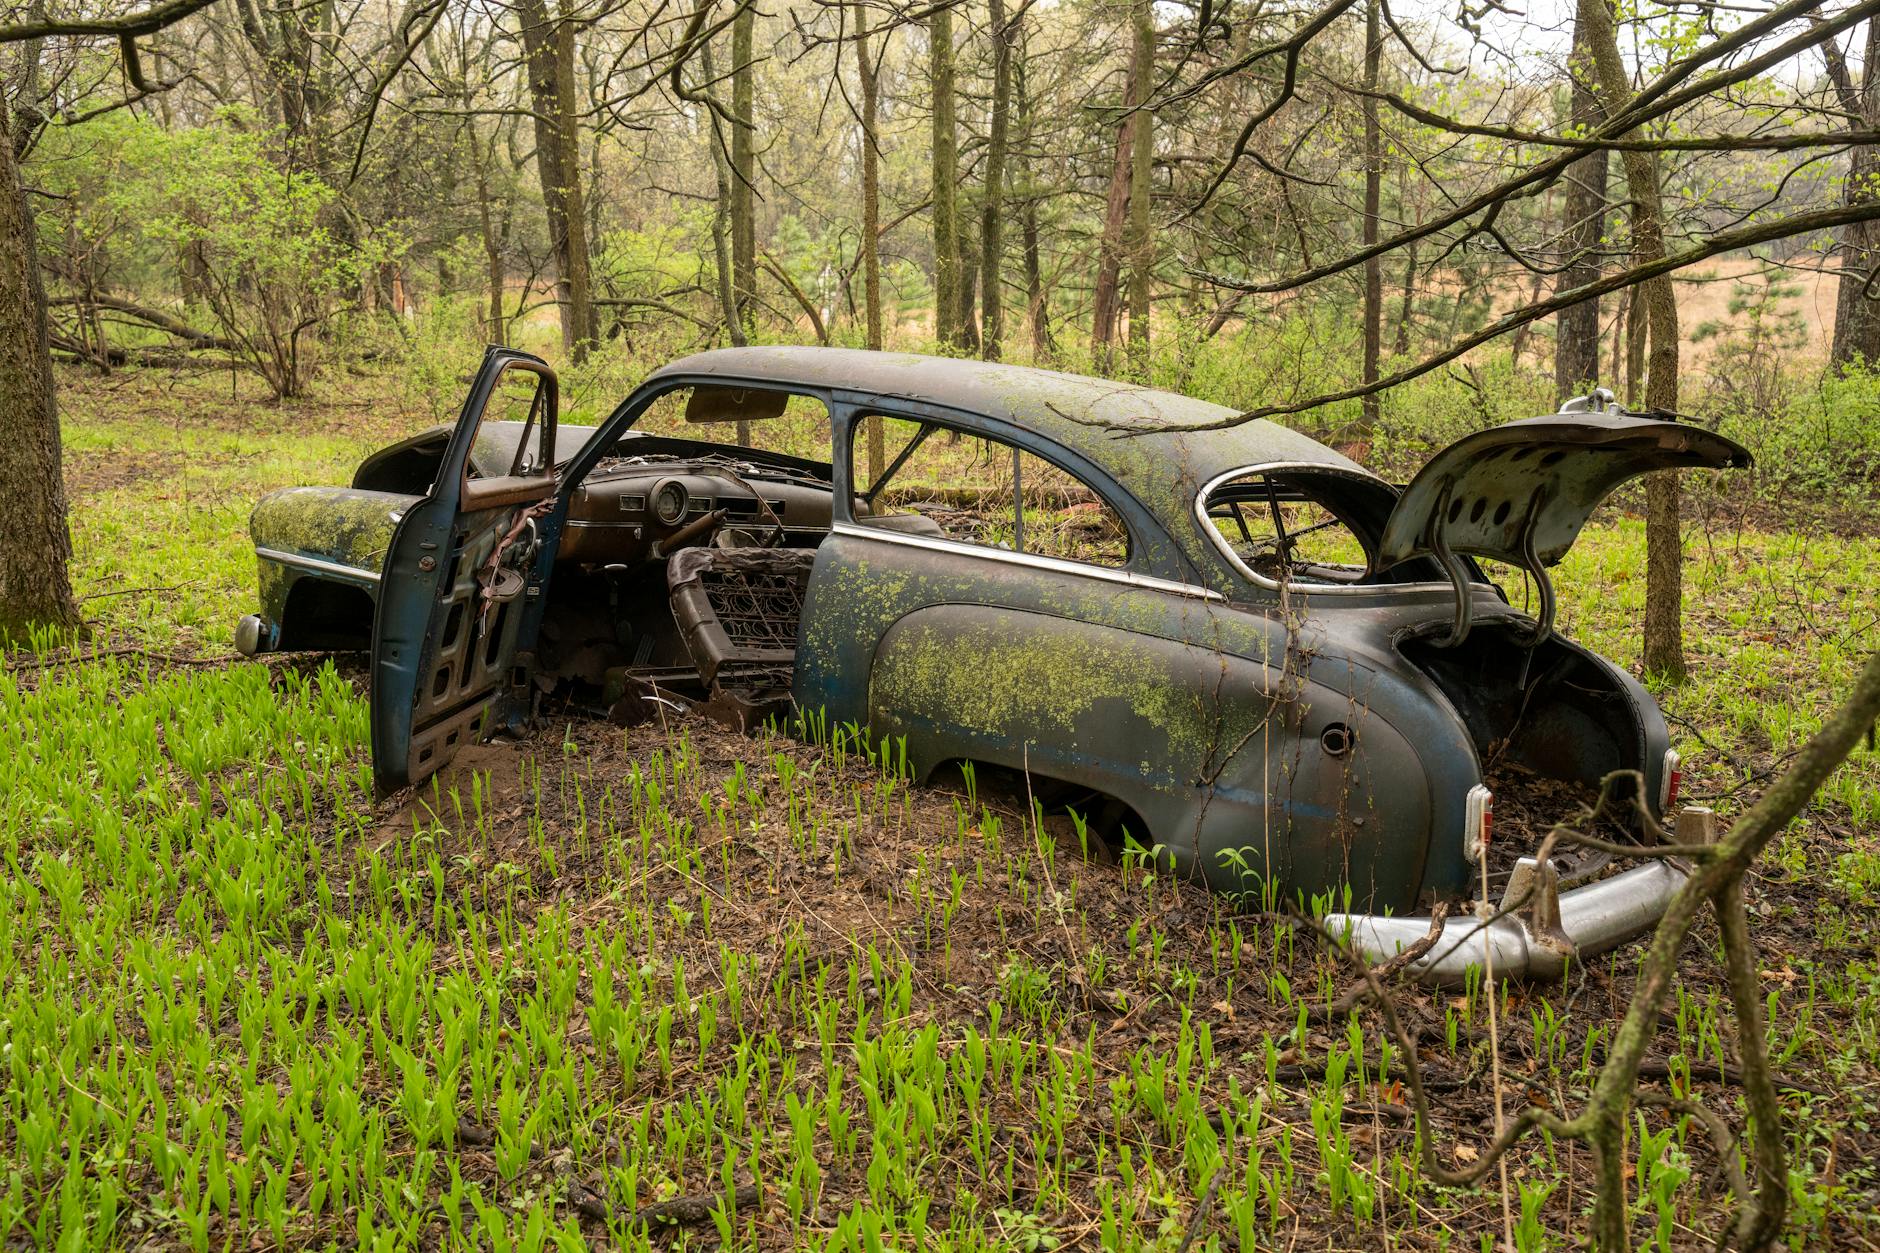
(582, 986)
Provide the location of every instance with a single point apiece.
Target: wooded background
(1296, 209)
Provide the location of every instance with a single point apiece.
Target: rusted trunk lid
(1521, 492)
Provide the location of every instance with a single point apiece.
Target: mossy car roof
(1136, 434)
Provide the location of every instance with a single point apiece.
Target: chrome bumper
(1534, 941)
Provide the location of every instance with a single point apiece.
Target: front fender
(340, 526)
(336, 535)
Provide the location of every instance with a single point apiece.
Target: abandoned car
(1256, 656)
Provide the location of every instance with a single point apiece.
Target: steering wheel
(698, 530)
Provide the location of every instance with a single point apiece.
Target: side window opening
(945, 483)
(515, 435)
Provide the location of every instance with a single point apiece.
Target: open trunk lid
(1521, 492)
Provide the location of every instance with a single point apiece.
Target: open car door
(1522, 491)
(460, 568)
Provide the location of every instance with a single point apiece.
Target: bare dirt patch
(1078, 951)
(92, 472)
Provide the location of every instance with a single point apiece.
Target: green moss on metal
(1045, 685)
(341, 524)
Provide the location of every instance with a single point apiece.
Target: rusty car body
(1263, 716)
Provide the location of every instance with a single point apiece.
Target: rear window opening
(1307, 527)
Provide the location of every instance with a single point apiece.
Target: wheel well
(1108, 817)
(323, 614)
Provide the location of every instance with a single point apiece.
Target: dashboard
(645, 490)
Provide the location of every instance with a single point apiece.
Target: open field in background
(603, 971)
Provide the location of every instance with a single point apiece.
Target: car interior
(688, 544)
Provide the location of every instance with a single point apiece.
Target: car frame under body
(1320, 738)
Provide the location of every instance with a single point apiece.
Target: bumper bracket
(1550, 927)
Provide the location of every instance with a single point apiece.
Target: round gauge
(668, 501)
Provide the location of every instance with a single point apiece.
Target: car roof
(1135, 434)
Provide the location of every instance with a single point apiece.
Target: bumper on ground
(1537, 928)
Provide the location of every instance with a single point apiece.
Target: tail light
(1672, 783)
(1478, 822)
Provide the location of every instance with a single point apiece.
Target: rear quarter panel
(1205, 718)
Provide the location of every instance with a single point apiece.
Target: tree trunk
(1373, 203)
(193, 271)
(871, 224)
(946, 225)
(575, 242)
(743, 162)
(1141, 167)
(1856, 315)
(1664, 542)
(1037, 304)
(871, 205)
(591, 194)
(1635, 348)
(992, 212)
(1115, 215)
(549, 48)
(494, 328)
(35, 544)
(1406, 304)
(1576, 329)
(721, 234)
(966, 321)
(1536, 282)
(726, 286)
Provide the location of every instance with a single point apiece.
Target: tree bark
(549, 47)
(1576, 330)
(871, 223)
(1635, 348)
(1664, 541)
(1856, 316)
(992, 211)
(871, 189)
(1141, 168)
(743, 162)
(721, 233)
(1115, 215)
(966, 320)
(1406, 302)
(495, 264)
(946, 225)
(35, 544)
(1373, 204)
(1037, 304)
(726, 286)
